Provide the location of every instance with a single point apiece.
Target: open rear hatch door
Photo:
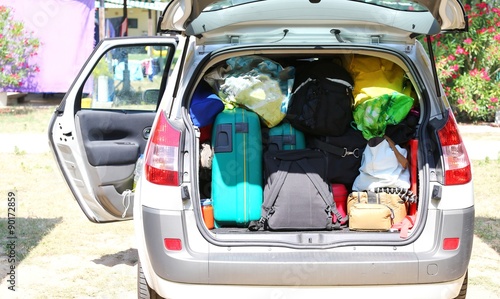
(271, 20)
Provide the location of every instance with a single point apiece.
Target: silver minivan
(128, 149)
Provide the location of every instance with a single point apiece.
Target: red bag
(340, 197)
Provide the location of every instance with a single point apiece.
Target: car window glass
(407, 5)
(226, 3)
(126, 77)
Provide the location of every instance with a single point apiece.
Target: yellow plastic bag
(374, 76)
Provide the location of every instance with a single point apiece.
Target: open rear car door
(210, 20)
(100, 130)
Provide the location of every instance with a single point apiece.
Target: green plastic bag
(374, 114)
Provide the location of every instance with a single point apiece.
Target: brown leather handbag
(370, 211)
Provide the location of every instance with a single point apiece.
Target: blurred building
(69, 30)
(141, 20)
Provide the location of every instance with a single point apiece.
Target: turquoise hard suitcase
(286, 137)
(237, 192)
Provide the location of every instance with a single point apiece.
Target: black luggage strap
(336, 150)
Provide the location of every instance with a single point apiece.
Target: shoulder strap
(372, 197)
(401, 159)
(339, 151)
(275, 188)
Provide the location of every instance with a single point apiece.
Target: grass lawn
(25, 119)
(487, 178)
(484, 268)
(61, 253)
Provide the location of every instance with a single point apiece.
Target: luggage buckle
(355, 153)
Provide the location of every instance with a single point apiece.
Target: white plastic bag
(256, 83)
(380, 167)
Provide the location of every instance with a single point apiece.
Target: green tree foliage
(16, 48)
(468, 63)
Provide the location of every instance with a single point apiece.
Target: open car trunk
(380, 70)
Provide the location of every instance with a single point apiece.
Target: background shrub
(17, 47)
(468, 63)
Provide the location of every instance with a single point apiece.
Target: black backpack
(321, 103)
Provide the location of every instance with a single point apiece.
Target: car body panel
(213, 256)
(443, 290)
(215, 264)
(211, 264)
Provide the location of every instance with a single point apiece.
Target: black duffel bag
(343, 155)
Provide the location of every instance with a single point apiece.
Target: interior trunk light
(162, 158)
(457, 168)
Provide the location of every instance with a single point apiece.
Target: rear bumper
(444, 290)
(199, 262)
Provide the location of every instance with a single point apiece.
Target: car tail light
(162, 157)
(457, 169)
(451, 243)
(172, 244)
